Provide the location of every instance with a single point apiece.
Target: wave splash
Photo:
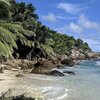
(54, 93)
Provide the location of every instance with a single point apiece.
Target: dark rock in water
(55, 73)
(68, 62)
(43, 67)
(1, 71)
(21, 94)
(69, 72)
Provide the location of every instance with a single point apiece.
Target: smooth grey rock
(22, 94)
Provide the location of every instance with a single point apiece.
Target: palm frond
(3, 50)
(48, 50)
(6, 1)
(29, 33)
(7, 36)
(17, 29)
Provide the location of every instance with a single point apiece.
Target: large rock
(23, 64)
(81, 56)
(60, 66)
(91, 55)
(22, 94)
(55, 73)
(62, 57)
(11, 63)
(68, 62)
(77, 54)
(6, 67)
(74, 54)
(56, 61)
(43, 67)
(26, 64)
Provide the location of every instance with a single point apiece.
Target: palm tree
(11, 32)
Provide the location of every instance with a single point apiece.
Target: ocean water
(84, 85)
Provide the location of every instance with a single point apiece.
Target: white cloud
(75, 28)
(80, 26)
(91, 41)
(65, 17)
(63, 29)
(94, 44)
(50, 17)
(72, 27)
(70, 8)
(84, 22)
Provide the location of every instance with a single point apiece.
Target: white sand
(6, 81)
(45, 84)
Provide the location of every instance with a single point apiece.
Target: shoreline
(16, 77)
(31, 81)
(44, 84)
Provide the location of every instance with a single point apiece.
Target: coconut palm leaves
(7, 42)
(4, 50)
(19, 27)
(15, 28)
(10, 33)
(48, 50)
(7, 36)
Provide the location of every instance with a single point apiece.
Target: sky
(78, 18)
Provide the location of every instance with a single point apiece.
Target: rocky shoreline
(46, 66)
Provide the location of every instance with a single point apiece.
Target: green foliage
(4, 51)
(4, 9)
(48, 50)
(19, 22)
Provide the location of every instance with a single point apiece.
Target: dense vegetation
(21, 32)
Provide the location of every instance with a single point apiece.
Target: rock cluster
(45, 66)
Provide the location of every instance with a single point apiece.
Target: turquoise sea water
(84, 85)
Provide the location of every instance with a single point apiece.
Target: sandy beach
(42, 84)
(7, 81)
